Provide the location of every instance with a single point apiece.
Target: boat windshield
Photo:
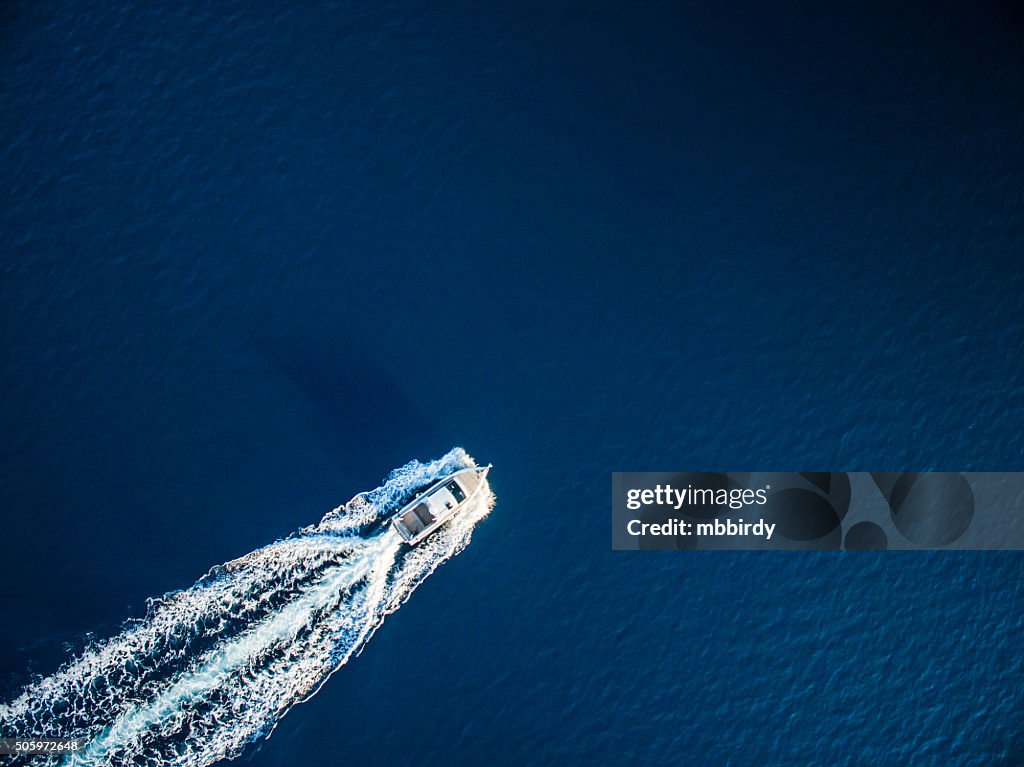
(456, 490)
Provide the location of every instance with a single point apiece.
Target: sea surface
(257, 255)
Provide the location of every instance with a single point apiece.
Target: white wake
(215, 666)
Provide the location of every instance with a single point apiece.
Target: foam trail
(215, 667)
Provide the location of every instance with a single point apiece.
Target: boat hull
(438, 503)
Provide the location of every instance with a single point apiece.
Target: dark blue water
(257, 255)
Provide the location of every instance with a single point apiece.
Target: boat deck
(417, 519)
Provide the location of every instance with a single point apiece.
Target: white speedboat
(438, 503)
